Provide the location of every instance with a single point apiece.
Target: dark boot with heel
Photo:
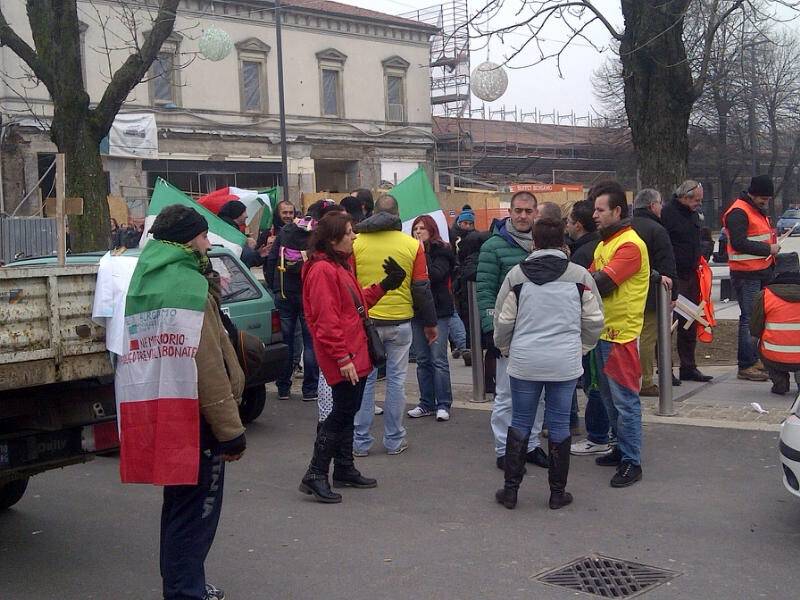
(315, 481)
(558, 472)
(514, 467)
(345, 473)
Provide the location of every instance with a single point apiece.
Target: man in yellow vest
(776, 322)
(379, 237)
(752, 247)
(621, 269)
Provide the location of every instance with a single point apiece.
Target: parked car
(787, 220)
(790, 448)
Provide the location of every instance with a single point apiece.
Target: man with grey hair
(550, 210)
(682, 222)
(646, 223)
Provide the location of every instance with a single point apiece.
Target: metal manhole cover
(607, 577)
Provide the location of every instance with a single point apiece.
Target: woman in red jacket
(330, 293)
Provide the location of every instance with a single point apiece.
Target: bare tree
(661, 83)
(77, 128)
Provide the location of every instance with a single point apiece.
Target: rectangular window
(251, 86)
(395, 99)
(164, 78)
(330, 92)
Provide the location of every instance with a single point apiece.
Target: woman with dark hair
(544, 354)
(433, 370)
(332, 298)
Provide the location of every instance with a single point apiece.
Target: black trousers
(339, 424)
(687, 338)
(189, 519)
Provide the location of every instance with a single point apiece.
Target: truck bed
(46, 332)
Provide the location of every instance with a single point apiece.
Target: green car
(248, 304)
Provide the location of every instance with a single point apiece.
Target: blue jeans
(397, 341)
(595, 417)
(746, 290)
(291, 313)
(557, 401)
(189, 519)
(458, 333)
(433, 370)
(623, 406)
(502, 410)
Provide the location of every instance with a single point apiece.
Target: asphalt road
(711, 507)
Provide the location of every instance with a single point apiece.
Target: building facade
(356, 95)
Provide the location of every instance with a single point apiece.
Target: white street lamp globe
(489, 81)
(215, 44)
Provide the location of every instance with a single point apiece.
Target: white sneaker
(378, 410)
(584, 447)
(442, 415)
(418, 411)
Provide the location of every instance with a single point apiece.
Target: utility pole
(281, 104)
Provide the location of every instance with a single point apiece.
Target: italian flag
(415, 197)
(156, 376)
(219, 232)
(257, 202)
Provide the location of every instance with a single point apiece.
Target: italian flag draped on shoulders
(156, 377)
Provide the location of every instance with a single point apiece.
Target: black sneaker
(612, 459)
(538, 457)
(627, 474)
(213, 593)
(312, 398)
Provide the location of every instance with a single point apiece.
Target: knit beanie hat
(466, 215)
(761, 185)
(178, 223)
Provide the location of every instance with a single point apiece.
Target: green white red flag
(156, 376)
(415, 197)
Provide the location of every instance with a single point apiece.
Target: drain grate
(607, 577)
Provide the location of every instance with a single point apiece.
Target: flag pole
(281, 104)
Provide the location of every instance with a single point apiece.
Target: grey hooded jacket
(547, 316)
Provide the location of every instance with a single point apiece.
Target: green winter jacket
(499, 254)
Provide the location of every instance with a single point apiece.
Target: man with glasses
(682, 221)
(752, 247)
(511, 243)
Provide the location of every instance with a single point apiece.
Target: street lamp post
(281, 104)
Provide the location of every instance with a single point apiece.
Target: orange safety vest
(759, 229)
(704, 277)
(780, 341)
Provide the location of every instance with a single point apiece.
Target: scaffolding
(449, 63)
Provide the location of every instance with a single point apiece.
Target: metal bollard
(665, 407)
(478, 383)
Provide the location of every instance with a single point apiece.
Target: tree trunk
(85, 178)
(723, 168)
(658, 90)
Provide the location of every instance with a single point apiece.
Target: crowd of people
(564, 303)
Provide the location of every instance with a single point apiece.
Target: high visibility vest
(759, 229)
(624, 307)
(370, 250)
(705, 277)
(780, 341)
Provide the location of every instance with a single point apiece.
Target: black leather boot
(516, 453)
(557, 473)
(345, 473)
(315, 481)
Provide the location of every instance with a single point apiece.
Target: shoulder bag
(377, 353)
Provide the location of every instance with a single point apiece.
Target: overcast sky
(537, 87)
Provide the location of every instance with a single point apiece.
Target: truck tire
(253, 401)
(12, 492)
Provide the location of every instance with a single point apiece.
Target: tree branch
(19, 47)
(134, 69)
(714, 24)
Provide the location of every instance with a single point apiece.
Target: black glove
(233, 447)
(395, 275)
(487, 340)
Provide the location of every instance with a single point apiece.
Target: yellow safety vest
(370, 250)
(624, 307)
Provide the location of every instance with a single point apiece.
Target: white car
(790, 449)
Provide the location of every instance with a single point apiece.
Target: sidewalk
(723, 402)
